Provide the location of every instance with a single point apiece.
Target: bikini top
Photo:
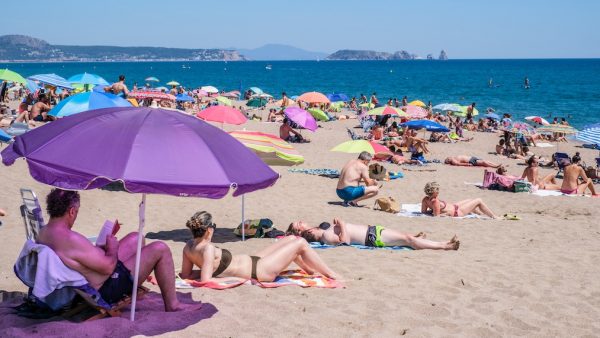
(223, 263)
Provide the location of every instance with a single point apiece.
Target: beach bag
(387, 204)
(591, 172)
(523, 186)
(254, 228)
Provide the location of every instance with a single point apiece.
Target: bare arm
(208, 257)
(92, 257)
(364, 175)
(436, 207)
(424, 207)
(343, 236)
(187, 267)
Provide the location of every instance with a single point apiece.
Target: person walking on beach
(374, 101)
(108, 268)
(355, 171)
(571, 181)
(470, 110)
(118, 88)
(369, 235)
(284, 101)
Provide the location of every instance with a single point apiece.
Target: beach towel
(544, 145)
(286, 278)
(331, 173)
(317, 245)
(414, 210)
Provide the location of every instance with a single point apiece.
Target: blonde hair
(431, 188)
(199, 223)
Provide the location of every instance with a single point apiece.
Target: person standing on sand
(404, 101)
(374, 101)
(108, 268)
(571, 184)
(355, 171)
(369, 235)
(470, 110)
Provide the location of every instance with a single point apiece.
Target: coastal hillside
(348, 54)
(26, 48)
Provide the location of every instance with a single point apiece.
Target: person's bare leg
(466, 207)
(370, 191)
(128, 246)
(157, 257)
(484, 163)
(280, 243)
(397, 238)
(587, 185)
(270, 266)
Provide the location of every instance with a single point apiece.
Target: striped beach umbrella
(415, 112)
(557, 128)
(150, 94)
(270, 148)
(589, 134)
(52, 79)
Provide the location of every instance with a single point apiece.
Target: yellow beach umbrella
(417, 103)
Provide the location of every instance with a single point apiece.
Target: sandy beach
(533, 277)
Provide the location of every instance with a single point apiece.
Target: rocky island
(348, 54)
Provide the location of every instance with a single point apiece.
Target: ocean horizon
(568, 88)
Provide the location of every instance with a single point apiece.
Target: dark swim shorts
(118, 285)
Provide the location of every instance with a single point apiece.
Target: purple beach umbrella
(149, 150)
(301, 117)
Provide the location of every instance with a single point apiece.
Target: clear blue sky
(464, 28)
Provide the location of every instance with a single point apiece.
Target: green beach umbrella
(257, 102)
(387, 110)
(368, 105)
(463, 111)
(358, 146)
(173, 83)
(10, 76)
(318, 114)
(224, 100)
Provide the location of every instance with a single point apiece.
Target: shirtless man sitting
(368, 235)
(107, 269)
(118, 88)
(287, 133)
(469, 161)
(572, 173)
(548, 182)
(39, 111)
(355, 171)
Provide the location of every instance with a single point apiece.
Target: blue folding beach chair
(562, 160)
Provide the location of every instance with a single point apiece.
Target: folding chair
(31, 211)
(562, 160)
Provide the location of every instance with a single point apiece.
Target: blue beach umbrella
(425, 124)
(256, 90)
(52, 79)
(87, 101)
(32, 86)
(589, 134)
(99, 89)
(492, 116)
(337, 97)
(184, 98)
(4, 137)
(447, 106)
(88, 78)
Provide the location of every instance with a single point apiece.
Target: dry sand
(533, 277)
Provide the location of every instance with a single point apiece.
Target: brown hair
(199, 223)
(308, 236)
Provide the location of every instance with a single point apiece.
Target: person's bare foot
(421, 235)
(184, 307)
(453, 244)
(2, 212)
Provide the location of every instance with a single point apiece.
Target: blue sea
(559, 87)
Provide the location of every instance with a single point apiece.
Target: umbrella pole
(142, 213)
(243, 225)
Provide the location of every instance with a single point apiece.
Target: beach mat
(539, 192)
(544, 145)
(317, 245)
(414, 210)
(286, 278)
(324, 172)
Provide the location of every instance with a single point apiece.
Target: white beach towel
(544, 145)
(414, 210)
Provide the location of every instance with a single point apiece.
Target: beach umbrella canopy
(87, 101)
(10, 76)
(318, 114)
(418, 103)
(232, 94)
(88, 79)
(301, 117)
(447, 107)
(415, 112)
(557, 128)
(337, 97)
(358, 146)
(256, 90)
(425, 124)
(151, 79)
(148, 150)
(537, 119)
(224, 100)
(257, 102)
(52, 79)
(150, 94)
(368, 105)
(492, 116)
(463, 111)
(270, 148)
(387, 110)
(172, 83)
(161, 89)
(184, 98)
(133, 102)
(209, 89)
(519, 128)
(31, 85)
(589, 134)
(313, 97)
(223, 114)
(4, 137)
(99, 89)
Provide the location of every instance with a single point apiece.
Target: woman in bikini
(218, 264)
(431, 204)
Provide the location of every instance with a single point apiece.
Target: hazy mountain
(280, 52)
(26, 48)
(348, 54)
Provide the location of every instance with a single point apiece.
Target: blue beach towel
(317, 245)
(333, 173)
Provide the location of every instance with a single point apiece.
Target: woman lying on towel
(432, 204)
(264, 266)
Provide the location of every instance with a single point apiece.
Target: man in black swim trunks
(369, 235)
(108, 268)
(470, 161)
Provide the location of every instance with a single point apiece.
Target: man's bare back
(352, 173)
(571, 177)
